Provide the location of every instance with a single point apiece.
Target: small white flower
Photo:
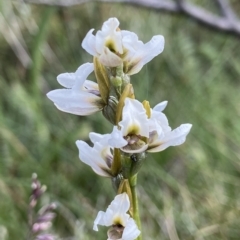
(98, 157)
(117, 217)
(81, 97)
(133, 128)
(107, 44)
(138, 133)
(114, 46)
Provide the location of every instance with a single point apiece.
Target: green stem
(133, 184)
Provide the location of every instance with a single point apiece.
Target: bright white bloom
(113, 46)
(117, 217)
(134, 127)
(138, 133)
(107, 44)
(81, 97)
(98, 157)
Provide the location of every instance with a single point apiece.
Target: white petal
(158, 122)
(117, 211)
(109, 37)
(92, 158)
(76, 80)
(160, 106)
(121, 203)
(116, 140)
(130, 43)
(110, 59)
(67, 80)
(81, 75)
(90, 85)
(110, 25)
(61, 96)
(98, 220)
(101, 145)
(101, 139)
(134, 120)
(82, 103)
(84, 70)
(131, 230)
(76, 110)
(174, 138)
(145, 54)
(95, 137)
(89, 43)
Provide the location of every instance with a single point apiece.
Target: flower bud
(116, 81)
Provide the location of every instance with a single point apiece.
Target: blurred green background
(186, 192)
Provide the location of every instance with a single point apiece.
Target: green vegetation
(191, 191)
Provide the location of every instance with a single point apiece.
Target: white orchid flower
(138, 133)
(114, 46)
(134, 129)
(107, 44)
(116, 216)
(81, 97)
(98, 157)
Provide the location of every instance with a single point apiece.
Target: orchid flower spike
(114, 47)
(98, 157)
(139, 132)
(123, 227)
(81, 97)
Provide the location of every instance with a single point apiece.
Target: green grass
(190, 191)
